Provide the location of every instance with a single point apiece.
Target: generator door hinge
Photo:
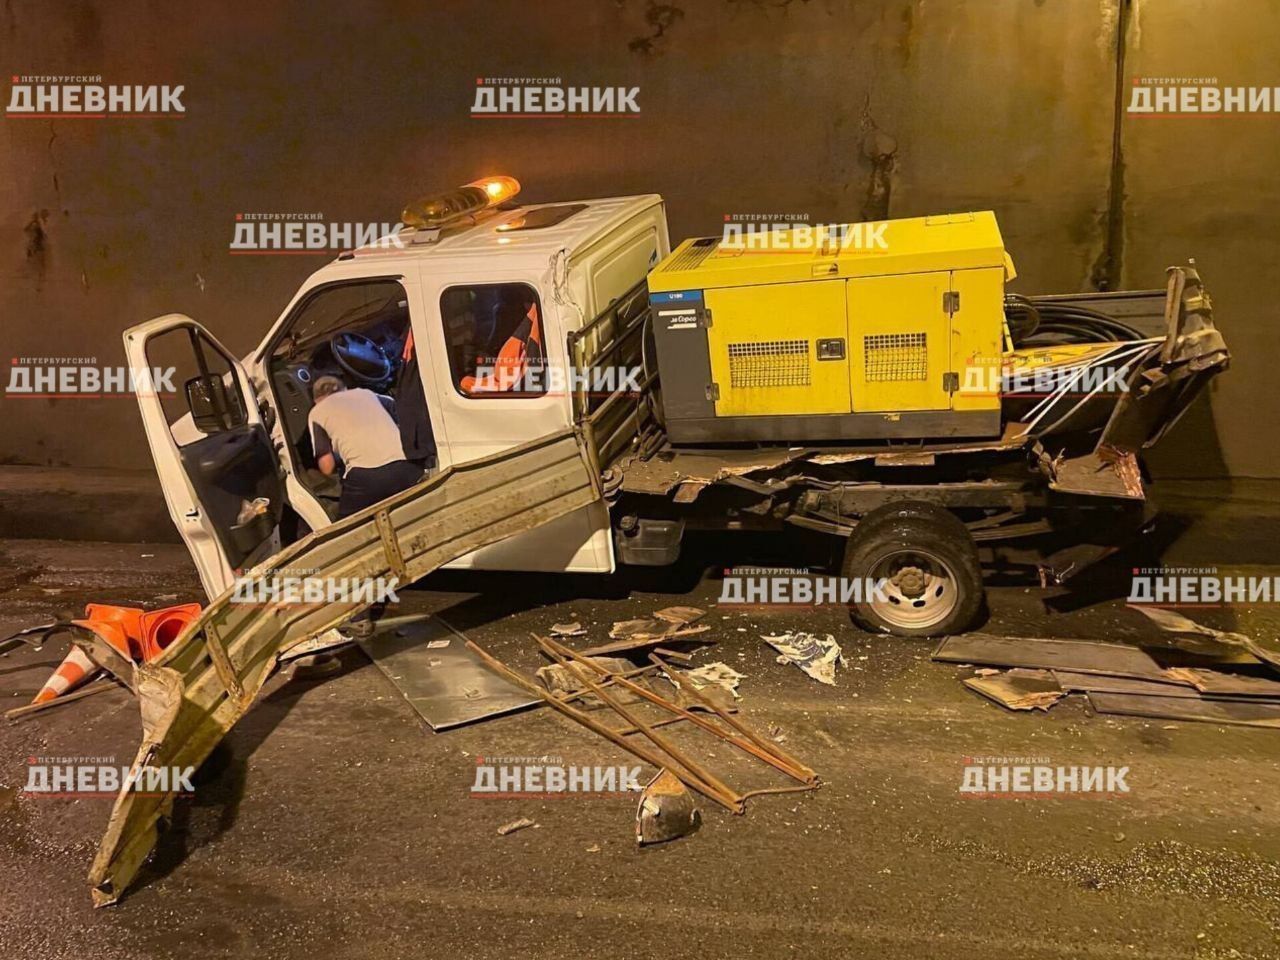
(950, 302)
(951, 381)
(713, 391)
(705, 320)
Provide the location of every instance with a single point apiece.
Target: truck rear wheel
(920, 572)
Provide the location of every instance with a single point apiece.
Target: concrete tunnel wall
(838, 109)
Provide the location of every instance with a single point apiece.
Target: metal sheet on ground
(1100, 683)
(1081, 656)
(429, 663)
(1216, 683)
(1232, 712)
(1019, 689)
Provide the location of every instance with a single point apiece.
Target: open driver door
(218, 471)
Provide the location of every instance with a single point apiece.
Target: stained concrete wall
(1208, 187)
(838, 109)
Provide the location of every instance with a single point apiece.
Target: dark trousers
(363, 487)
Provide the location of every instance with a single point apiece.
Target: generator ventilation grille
(895, 356)
(693, 255)
(769, 363)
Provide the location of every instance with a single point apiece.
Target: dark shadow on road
(221, 780)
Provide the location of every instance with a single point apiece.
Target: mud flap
(208, 678)
(1162, 388)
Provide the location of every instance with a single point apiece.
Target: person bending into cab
(356, 426)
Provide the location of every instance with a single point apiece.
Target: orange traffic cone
(161, 627)
(75, 669)
(138, 634)
(119, 626)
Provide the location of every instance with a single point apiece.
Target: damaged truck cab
(423, 319)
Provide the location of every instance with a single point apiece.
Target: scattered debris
(666, 811)
(515, 825)
(631, 629)
(678, 656)
(564, 685)
(642, 638)
(573, 629)
(814, 655)
(1019, 689)
(681, 615)
(1120, 679)
(1174, 622)
(328, 642)
(32, 636)
(718, 674)
(661, 752)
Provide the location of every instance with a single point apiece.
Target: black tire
(929, 565)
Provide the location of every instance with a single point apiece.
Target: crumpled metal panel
(1101, 473)
(202, 684)
(1162, 389)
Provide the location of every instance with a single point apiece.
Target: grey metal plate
(1079, 656)
(448, 685)
(1233, 712)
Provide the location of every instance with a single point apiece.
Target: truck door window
(495, 339)
(206, 397)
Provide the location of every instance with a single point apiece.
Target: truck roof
(535, 231)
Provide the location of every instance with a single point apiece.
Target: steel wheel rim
(919, 589)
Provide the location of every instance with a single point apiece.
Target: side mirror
(213, 409)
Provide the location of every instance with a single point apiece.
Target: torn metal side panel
(689, 471)
(206, 680)
(1102, 473)
(698, 469)
(1163, 387)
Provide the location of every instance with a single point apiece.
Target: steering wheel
(360, 358)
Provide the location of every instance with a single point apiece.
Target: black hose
(1052, 324)
(1023, 318)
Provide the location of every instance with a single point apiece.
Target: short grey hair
(325, 386)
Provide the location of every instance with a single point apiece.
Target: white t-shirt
(356, 426)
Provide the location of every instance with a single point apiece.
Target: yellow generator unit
(851, 332)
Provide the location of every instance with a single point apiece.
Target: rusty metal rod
(573, 695)
(17, 713)
(798, 770)
(629, 731)
(648, 756)
(554, 650)
(750, 746)
(632, 731)
(798, 788)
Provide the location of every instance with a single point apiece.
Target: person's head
(514, 303)
(326, 387)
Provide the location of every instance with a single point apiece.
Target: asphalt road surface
(333, 823)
